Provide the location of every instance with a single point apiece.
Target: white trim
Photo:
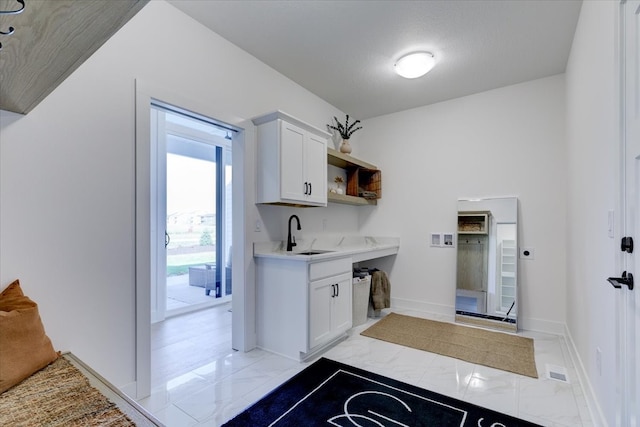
(129, 389)
(434, 311)
(541, 325)
(243, 265)
(446, 313)
(142, 242)
(595, 411)
(243, 305)
(158, 189)
(627, 373)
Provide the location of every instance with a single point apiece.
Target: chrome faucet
(291, 241)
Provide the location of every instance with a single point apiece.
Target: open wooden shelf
(360, 174)
(344, 161)
(350, 200)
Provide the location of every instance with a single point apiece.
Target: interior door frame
(157, 189)
(243, 307)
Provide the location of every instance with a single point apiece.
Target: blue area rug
(330, 393)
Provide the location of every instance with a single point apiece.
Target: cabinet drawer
(318, 270)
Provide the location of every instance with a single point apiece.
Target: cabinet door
(321, 295)
(292, 158)
(341, 316)
(316, 168)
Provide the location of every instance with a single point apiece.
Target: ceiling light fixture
(414, 65)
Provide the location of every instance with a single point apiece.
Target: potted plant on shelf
(345, 132)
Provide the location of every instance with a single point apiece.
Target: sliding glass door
(193, 200)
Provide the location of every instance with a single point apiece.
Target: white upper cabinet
(292, 161)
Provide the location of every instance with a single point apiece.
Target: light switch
(611, 221)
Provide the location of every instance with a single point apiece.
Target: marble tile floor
(219, 383)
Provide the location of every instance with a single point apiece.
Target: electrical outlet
(442, 240)
(527, 253)
(447, 240)
(599, 360)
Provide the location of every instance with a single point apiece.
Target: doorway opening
(193, 212)
(149, 230)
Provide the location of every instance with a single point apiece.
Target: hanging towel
(380, 290)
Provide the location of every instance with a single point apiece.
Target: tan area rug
(494, 349)
(58, 395)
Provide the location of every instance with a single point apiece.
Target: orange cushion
(24, 346)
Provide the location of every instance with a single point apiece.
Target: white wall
(505, 142)
(592, 186)
(67, 175)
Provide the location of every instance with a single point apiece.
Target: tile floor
(200, 381)
(181, 296)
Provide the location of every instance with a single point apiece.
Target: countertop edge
(358, 254)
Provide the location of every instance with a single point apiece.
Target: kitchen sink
(313, 252)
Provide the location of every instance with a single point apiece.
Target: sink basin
(313, 252)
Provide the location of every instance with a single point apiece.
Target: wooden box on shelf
(366, 183)
(360, 174)
(473, 223)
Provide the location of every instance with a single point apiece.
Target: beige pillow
(24, 346)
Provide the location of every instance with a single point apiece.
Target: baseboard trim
(595, 411)
(539, 325)
(433, 311)
(447, 313)
(131, 389)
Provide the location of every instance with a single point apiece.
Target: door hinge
(626, 245)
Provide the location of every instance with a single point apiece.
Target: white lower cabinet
(302, 306)
(329, 308)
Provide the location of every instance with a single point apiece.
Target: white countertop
(359, 248)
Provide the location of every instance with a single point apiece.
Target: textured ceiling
(344, 51)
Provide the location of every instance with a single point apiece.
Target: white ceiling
(344, 51)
